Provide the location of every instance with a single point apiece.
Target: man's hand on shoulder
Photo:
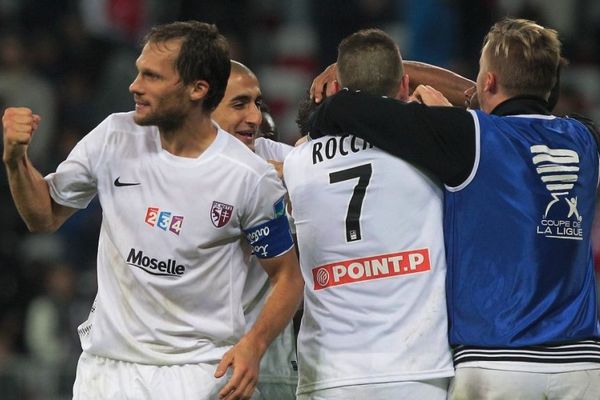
(429, 96)
(325, 84)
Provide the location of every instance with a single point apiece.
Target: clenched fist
(18, 124)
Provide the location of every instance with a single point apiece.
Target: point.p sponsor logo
(369, 268)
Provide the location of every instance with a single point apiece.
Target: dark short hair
(268, 127)
(305, 110)
(369, 60)
(204, 55)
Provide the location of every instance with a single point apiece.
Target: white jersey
(268, 149)
(369, 231)
(170, 261)
(279, 363)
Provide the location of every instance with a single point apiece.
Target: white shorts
(276, 391)
(431, 389)
(279, 363)
(490, 384)
(100, 378)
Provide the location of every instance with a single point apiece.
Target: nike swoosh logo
(119, 183)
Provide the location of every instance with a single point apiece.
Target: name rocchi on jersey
(337, 146)
(154, 266)
(369, 268)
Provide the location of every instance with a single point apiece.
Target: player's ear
(490, 82)
(198, 90)
(404, 88)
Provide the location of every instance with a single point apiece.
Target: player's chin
(143, 119)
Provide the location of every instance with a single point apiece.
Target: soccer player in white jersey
(369, 231)
(239, 113)
(179, 197)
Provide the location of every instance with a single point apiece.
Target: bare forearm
(31, 196)
(281, 305)
(244, 357)
(452, 85)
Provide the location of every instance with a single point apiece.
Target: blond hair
(524, 55)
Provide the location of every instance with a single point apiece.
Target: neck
(190, 139)
(493, 101)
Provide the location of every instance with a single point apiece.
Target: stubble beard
(166, 121)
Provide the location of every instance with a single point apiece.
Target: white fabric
(276, 391)
(100, 378)
(268, 149)
(279, 363)
(278, 367)
(391, 328)
(548, 368)
(271, 150)
(170, 264)
(435, 389)
(489, 384)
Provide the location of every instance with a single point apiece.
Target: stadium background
(72, 62)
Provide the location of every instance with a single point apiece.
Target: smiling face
(239, 111)
(160, 96)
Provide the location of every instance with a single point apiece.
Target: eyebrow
(143, 70)
(245, 98)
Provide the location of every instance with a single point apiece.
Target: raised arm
(27, 186)
(439, 139)
(452, 85)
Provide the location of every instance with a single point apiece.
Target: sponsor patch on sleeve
(271, 238)
(279, 207)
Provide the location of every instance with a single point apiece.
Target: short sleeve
(74, 183)
(265, 223)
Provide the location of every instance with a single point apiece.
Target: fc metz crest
(220, 213)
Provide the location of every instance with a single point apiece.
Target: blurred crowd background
(71, 61)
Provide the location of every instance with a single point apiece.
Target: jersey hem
(529, 366)
(58, 200)
(333, 383)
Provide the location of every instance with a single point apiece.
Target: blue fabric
(520, 266)
(270, 239)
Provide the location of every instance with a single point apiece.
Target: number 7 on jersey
(363, 173)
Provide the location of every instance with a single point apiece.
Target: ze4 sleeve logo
(164, 220)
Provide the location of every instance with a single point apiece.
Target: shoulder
(240, 157)
(120, 128)
(271, 150)
(124, 122)
(297, 151)
(121, 122)
(590, 125)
